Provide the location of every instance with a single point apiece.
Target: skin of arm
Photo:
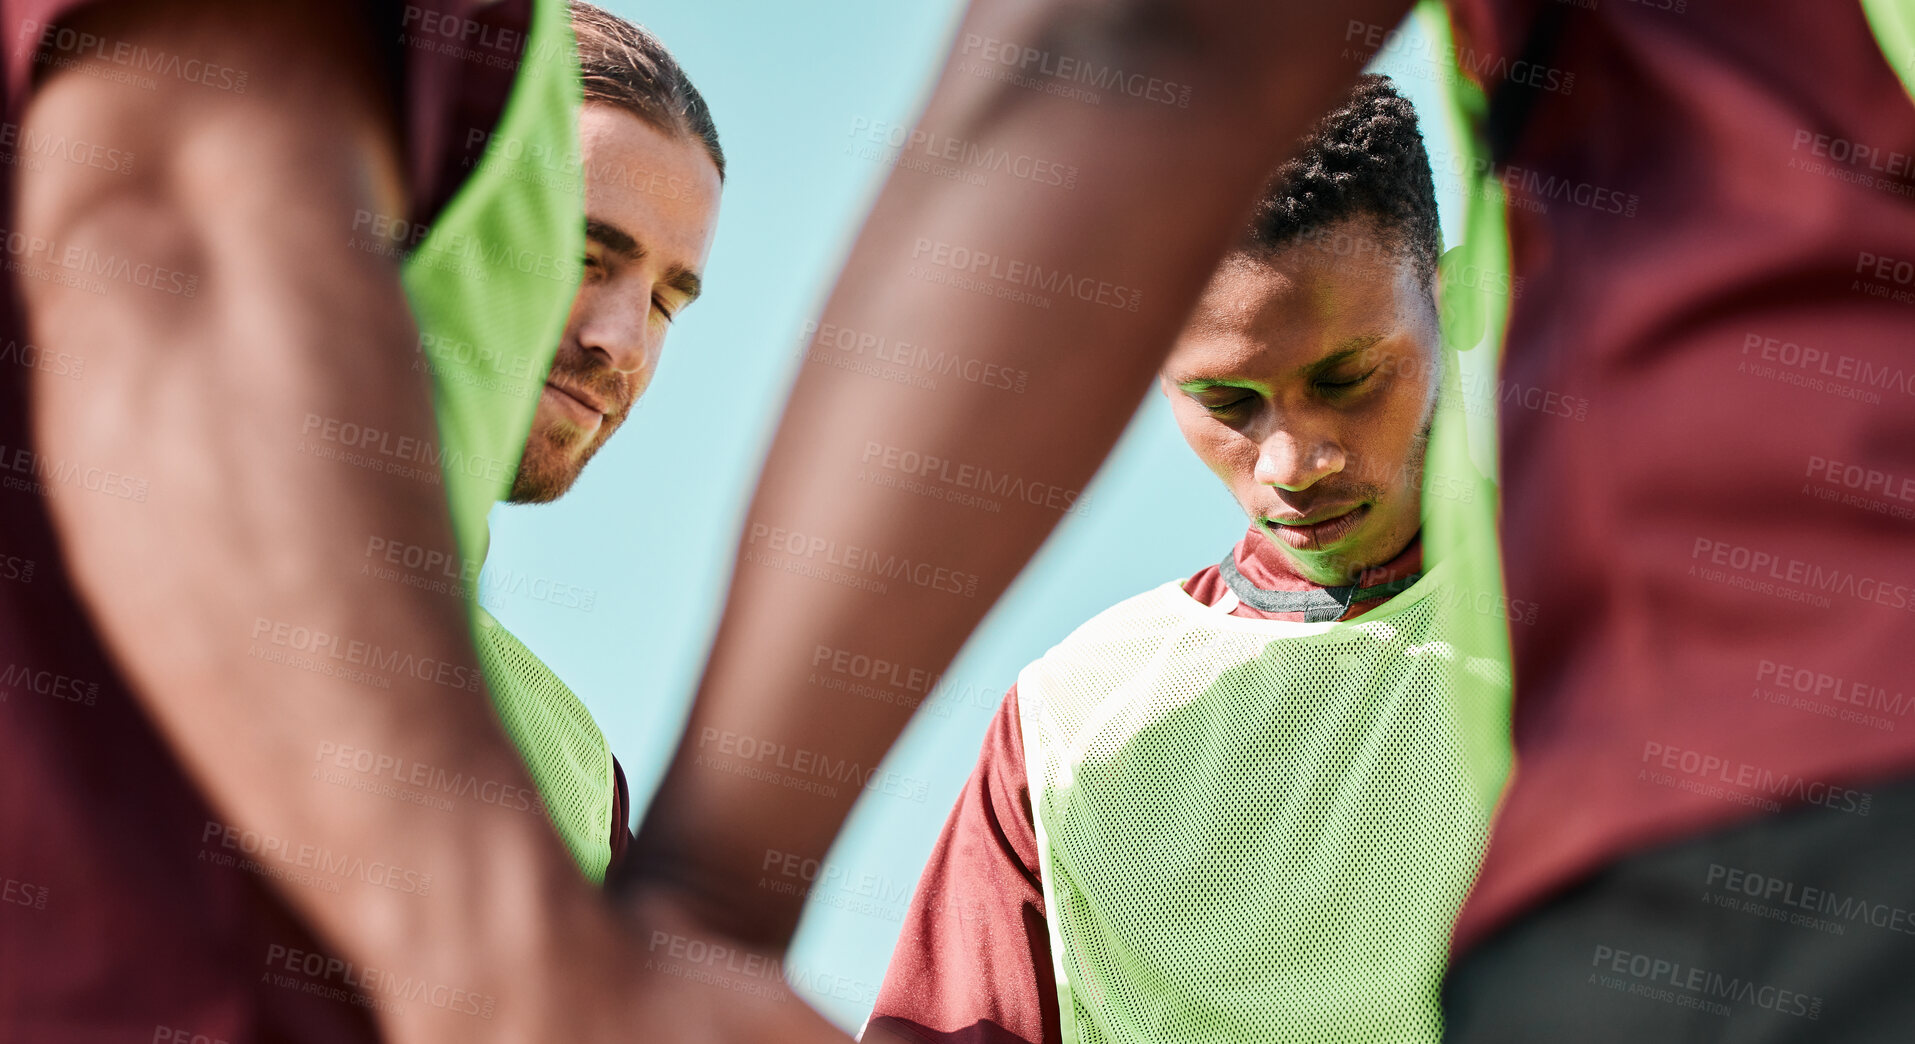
(1161, 192)
(205, 397)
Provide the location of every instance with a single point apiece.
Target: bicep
(218, 304)
(240, 345)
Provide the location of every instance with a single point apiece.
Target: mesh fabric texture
(573, 766)
(1253, 830)
(492, 283)
(491, 286)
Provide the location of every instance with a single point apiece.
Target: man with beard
(653, 172)
(1236, 808)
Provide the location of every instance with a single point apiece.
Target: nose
(1295, 461)
(618, 327)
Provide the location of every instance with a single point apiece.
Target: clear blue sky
(650, 530)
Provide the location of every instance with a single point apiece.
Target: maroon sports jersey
(125, 910)
(1712, 213)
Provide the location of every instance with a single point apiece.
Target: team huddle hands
(301, 290)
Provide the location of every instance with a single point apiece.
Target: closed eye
(1226, 407)
(1343, 386)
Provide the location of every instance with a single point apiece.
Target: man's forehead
(1255, 320)
(659, 189)
(1236, 359)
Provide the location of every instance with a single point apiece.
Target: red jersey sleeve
(973, 965)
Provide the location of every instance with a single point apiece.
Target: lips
(579, 395)
(1319, 530)
(579, 407)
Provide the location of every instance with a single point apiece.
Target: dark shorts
(1795, 927)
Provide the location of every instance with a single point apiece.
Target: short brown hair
(621, 64)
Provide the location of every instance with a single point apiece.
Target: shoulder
(1147, 612)
(1110, 647)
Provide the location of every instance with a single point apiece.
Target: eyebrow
(619, 241)
(1346, 349)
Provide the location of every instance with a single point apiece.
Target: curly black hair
(1364, 159)
(624, 65)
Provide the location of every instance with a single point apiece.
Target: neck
(1268, 583)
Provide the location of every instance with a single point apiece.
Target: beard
(556, 451)
(555, 455)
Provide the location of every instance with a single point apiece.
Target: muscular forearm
(221, 393)
(1077, 290)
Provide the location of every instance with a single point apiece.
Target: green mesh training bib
(573, 769)
(1254, 830)
(490, 287)
(1893, 24)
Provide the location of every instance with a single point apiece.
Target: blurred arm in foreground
(246, 531)
(1169, 114)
